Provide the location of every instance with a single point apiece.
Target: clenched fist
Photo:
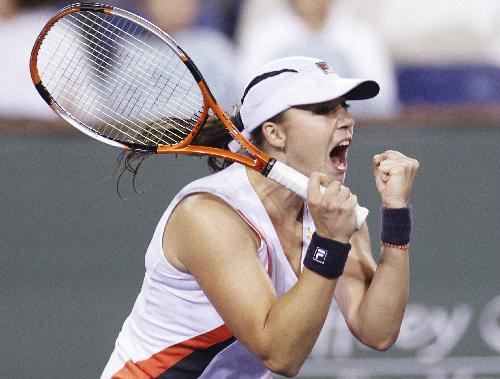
(394, 175)
(334, 210)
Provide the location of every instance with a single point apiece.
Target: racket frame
(259, 161)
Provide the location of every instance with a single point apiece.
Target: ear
(274, 134)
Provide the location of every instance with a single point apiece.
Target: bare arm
(222, 256)
(373, 297)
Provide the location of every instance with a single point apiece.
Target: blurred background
(72, 251)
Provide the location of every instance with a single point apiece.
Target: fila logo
(325, 67)
(320, 255)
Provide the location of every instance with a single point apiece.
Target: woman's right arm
(208, 239)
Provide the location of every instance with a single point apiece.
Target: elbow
(383, 346)
(288, 370)
(383, 343)
(283, 358)
(284, 365)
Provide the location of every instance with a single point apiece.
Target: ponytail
(212, 134)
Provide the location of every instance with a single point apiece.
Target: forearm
(373, 297)
(387, 295)
(381, 310)
(295, 321)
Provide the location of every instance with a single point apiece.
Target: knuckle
(330, 205)
(346, 206)
(314, 175)
(312, 203)
(335, 185)
(385, 163)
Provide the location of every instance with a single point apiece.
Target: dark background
(72, 252)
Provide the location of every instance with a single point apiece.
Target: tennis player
(240, 272)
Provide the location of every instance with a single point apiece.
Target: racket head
(118, 78)
(123, 81)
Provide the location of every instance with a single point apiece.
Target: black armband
(326, 257)
(396, 226)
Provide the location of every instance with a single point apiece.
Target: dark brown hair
(213, 134)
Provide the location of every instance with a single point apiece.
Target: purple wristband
(396, 225)
(326, 257)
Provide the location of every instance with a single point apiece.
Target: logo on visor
(325, 67)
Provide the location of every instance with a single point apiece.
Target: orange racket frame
(259, 160)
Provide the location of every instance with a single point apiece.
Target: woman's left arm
(372, 296)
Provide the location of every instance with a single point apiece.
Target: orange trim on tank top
(165, 359)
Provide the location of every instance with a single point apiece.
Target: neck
(282, 205)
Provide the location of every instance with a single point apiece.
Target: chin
(334, 173)
(340, 178)
(335, 176)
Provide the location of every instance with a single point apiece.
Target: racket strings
(104, 63)
(86, 102)
(141, 56)
(89, 99)
(73, 94)
(140, 59)
(115, 86)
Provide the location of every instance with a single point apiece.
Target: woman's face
(317, 138)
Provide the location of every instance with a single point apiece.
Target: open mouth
(338, 156)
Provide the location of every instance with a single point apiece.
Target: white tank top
(173, 330)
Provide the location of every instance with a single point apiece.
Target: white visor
(287, 82)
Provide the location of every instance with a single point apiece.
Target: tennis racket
(122, 80)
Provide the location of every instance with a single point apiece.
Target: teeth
(344, 143)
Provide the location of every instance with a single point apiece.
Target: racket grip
(297, 182)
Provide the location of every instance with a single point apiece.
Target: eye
(323, 109)
(327, 108)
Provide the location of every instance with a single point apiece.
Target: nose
(345, 122)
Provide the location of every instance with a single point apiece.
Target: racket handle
(297, 182)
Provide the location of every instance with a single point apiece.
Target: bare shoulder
(202, 221)
(208, 239)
